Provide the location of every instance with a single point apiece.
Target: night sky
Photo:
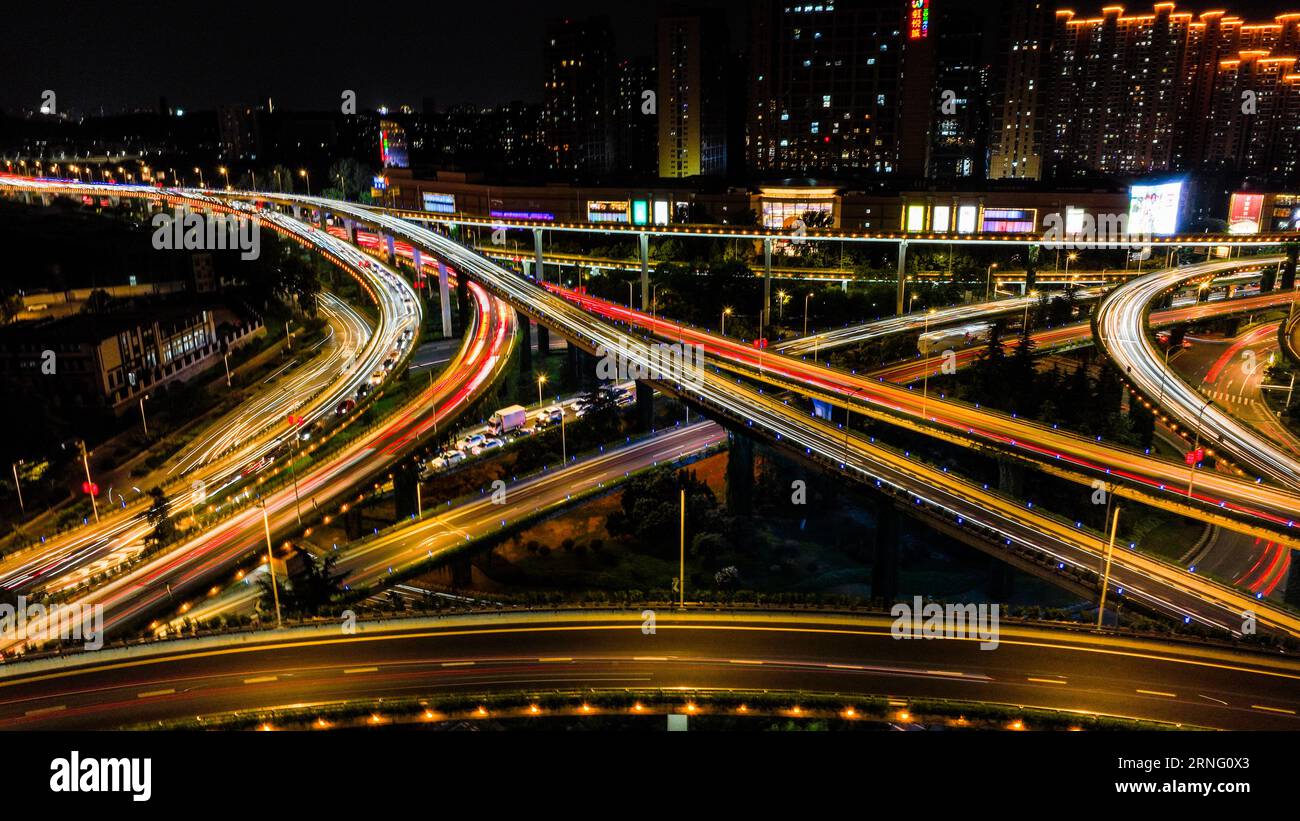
(128, 53)
(96, 54)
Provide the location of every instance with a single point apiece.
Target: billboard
(607, 210)
(1244, 211)
(1153, 209)
(439, 203)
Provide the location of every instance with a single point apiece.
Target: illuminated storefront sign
(640, 212)
(608, 211)
(966, 217)
(535, 216)
(440, 203)
(941, 219)
(915, 218)
(918, 26)
(1009, 220)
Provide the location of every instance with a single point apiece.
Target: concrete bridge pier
(543, 340)
(740, 474)
(390, 248)
(900, 302)
(526, 349)
(645, 415)
(885, 552)
(444, 299)
(643, 242)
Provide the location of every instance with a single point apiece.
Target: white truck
(507, 420)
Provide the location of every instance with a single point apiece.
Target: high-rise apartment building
(824, 86)
(636, 120)
(1169, 89)
(1016, 110)
(692, 66)
(577, 95)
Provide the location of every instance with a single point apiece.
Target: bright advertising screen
(1153, 209)
(1244, 212)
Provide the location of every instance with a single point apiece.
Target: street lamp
(1024, 323)
(19, 487)
(988, 285)
(1071, 257)
(780, 306)
(225, 172)
(805, 312)
(199, 171)
(925, 384)
(1196, 444)
(144, 421)
(302, 172)
(726, 312)
(270, 565)
(541, 380)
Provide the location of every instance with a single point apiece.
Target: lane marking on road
(649, 658)
(1272, 709)
(458, 664)
(1050, 681)
(944, 673)
(1158, 693)
(261, 679)
(846, 667)
(355, 670)
(153, 693)
(555, 660)
(44, 710)
(1211, 698)
(745, 661)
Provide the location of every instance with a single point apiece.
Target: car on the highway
(376, 377)
(345, 407)
(441, 462)
(491, 443)
(549, 417)
(472, 441)
(256, 466)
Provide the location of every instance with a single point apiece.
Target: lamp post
(925, 384)
(85, 462)
(1196, 444)
(302, 172)
(1105, 578)
(225, 172)
(780, 306)
(1024, 323)
(541, 380)
(805, 313)
(270, 565)
(1071, 257)
(144, 421)
(19, 488)
(988, 285)
(199, 171)
(725, 313)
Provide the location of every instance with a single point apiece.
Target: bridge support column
(537, 250)
(444, 299)
(885, 549)
(1292, 594)
(643, 242)
(349, 226)
(645, 412)
(462, 300)
(543, 340)
(417, 259)
(1288, 267)
(526, 349)
(297, 212)
(766, 315)
(901, 300)
(571, 364)
(1001, 580)
(740, 474)
(390, 246)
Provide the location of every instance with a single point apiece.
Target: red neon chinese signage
(919, 20)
